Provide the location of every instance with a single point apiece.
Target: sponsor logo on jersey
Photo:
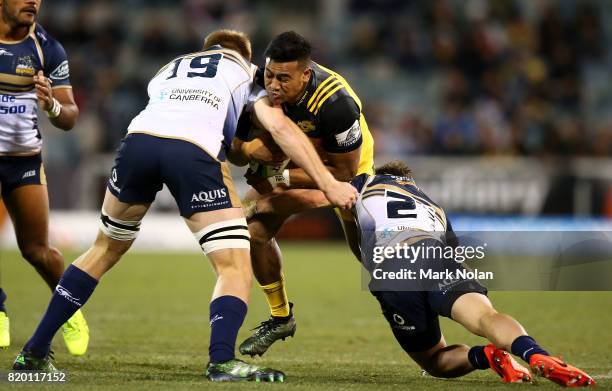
(29, 174)
(209, 196)
(349, 136)
(306, 126)
(4, 52)
(67, 295)
(25, 66)
(61, 72)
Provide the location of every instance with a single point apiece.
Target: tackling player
(389, 202)
(329, 112)
(33, 73)
(180, 139)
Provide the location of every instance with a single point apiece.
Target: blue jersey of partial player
(392, 209)
(19, 62)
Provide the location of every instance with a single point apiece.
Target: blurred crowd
(444, 77)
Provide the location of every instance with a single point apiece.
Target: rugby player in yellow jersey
(326, 108)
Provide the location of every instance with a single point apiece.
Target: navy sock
(226, 316)
(70, 294)
(525, 346)
(2, 300)
(478, 358)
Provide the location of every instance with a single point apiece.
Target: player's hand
(341, 194)
(259, 183)
(44, 93)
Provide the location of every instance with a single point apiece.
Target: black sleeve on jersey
(339, 125)
(259, 77)
(244, 126)
(451, 238)
(359, 181)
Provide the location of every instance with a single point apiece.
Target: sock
(276, 296)
(226, 316)
(2, 300)
(478, 358)
(525, 346)
(69, 295)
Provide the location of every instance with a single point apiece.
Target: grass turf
(149, 327)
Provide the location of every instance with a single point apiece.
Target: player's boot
(235, 370)
(556, 370)
(5, 335)
(25, 361)
(505, 365)
(76, 334)
(267, 333)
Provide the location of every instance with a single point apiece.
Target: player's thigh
(414, 325)
(25, 194)
(28, 207)
(135, 177)
(469, 308)
(224, 237)
(198, 181)
(119, 210)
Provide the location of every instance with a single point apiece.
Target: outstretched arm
(298, 148)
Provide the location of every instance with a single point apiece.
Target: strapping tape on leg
(232, 233)
(118, 229)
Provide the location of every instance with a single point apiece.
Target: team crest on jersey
(306, 126)
(61, 72)
(25, 66)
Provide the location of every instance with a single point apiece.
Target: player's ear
(306, 74)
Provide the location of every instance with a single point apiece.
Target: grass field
(149, 327)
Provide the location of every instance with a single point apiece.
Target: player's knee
(120, 230)
(228, 234)
(35, 254)
(112, 248)
(258, 235)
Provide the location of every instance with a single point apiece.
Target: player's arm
(339, 124)
(262, 148)
(289, 202)
(58, 103)
(53, 88)
(298, 148)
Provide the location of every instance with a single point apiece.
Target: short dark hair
(230, 39)
(289, 46)
(395, 168)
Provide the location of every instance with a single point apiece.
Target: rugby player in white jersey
(180, 139)
(34, 74)
(392, 211)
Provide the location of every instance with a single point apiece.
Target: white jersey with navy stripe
(393, 209)
(198, 97)
(19, 62)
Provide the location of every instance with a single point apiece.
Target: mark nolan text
(429, 274)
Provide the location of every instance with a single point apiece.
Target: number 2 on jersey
(398, 209)
(208, 63)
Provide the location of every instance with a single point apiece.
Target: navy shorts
(413, 314)
(16, 171)
(197, 181)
